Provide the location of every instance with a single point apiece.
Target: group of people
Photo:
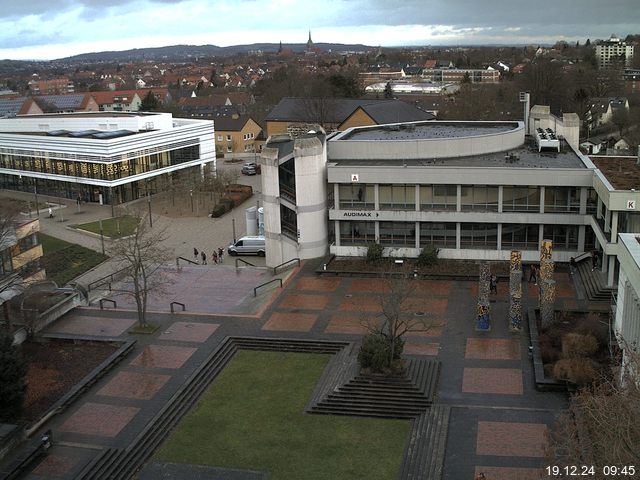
(216, 255)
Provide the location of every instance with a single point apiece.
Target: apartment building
(614, 51)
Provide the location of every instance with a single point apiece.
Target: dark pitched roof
(233, 123)
(11, 107)
(337, 110)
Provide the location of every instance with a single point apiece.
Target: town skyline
(42, 31)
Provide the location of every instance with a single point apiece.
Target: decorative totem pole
(547, 284)
(483, 321)
(515, 291)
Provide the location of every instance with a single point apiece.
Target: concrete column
(417, 234)
(614, 226)
(541, 203)
(376, 199)
(336, 196)
(377, 227)
(598, 208)
(499, 236)
(417, 196)
(336, 230)
(500, 196)
(540, 235)
(583, 200)
(581, 237)
(459, 198)
(458, 236)
(607, 220)
(612, 270)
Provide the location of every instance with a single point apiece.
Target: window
(479, 197)
(397, 197)
(220, 138)
(229, 149)
(478, 235)
(520, 236)
(357, 233)
(520, 199)
(228, 138)
(288, 222)
(357, 196)
(5, 262)
(562, 199)
(564, 237)
(398, 234)
(441, 235)
(438, 197)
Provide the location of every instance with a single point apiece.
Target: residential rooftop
(623, 173)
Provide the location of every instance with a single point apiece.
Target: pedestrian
(594, 260)
(220, 253)
(204, 257)
(195, 254)
(572, 265)
(533, 275)
(50, 212)
(214, 256)
(480, 476)
(493, 284)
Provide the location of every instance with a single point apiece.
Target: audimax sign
(360, 214)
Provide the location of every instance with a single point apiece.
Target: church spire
(309, 42)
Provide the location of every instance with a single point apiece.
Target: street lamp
(191, 194)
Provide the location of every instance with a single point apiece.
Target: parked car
(248, 246)
(250, 168)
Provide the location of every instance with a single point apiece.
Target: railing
(186, 260)
(582, 256)
(255, 290)
(176, 303)
(243, 261)
(102, 300)
(107, 279)
(275, 269)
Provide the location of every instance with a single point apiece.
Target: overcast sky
(48, 29)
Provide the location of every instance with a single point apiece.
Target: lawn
(112, 227)
(252, 418)
(64, 261)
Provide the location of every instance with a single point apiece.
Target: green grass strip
(252, 418)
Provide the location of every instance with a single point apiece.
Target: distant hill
(175, 52)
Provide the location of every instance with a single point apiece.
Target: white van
(248, 246)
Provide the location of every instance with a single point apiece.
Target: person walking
(50, 212)
(195, 254)
(204, 257)
(214, 256)
(220, 253)
(493, 284)
(572, 265)
(533, 274)
(594, 260)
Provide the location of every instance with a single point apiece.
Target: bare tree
(143, 257)
(10, 280)
(601, 427)
(398, 316)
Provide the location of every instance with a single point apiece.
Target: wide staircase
(594, 283)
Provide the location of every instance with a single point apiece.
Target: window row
(444, 235)
(445, 197)
(102, 171)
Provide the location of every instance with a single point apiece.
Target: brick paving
(99, 419)
(492, 349)
(290, 322)
(510, 439)
(497, 422)
(306, 302)
(163, 356)
(502, 381)
(189, 332)
(141, 386)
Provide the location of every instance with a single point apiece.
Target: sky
(46, 29)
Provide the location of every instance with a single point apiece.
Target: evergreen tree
(13, 371)
(388, 92)
(149, 103)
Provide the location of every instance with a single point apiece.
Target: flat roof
(526, 156)
(88, 114)
(623, 173)
(428, 130)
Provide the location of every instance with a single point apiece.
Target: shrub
(593, 324)
(219, 210)
(428, 256)
(578, 370)
(548, 353)
(578, 345)
(374, 253)
(374, 354)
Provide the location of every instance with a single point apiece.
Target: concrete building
(20, 256)
(627, 305)
(614, 51)
(102, 157)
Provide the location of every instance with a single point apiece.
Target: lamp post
(149, 204)
(191, 195)
(35, 193)
(101, 236)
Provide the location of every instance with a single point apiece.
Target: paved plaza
(498, 420)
